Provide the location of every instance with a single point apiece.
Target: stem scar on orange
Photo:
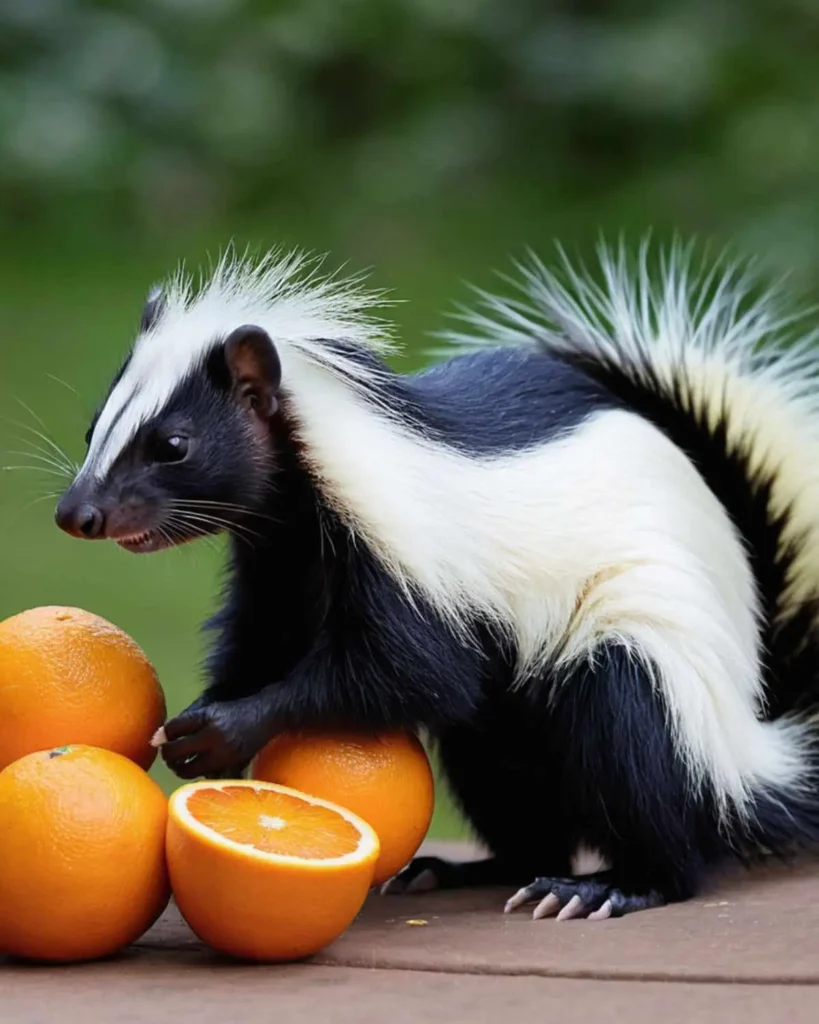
(69, 676)
(386, 779)
(82, 857)
(263, 872)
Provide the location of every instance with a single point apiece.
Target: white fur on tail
(605, 534)
(731, 352)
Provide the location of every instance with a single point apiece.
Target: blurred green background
(429, 140)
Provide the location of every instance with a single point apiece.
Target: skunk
(581, 553)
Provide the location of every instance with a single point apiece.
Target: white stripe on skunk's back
(607, 533)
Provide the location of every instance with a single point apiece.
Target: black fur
(314, 632)
(144, 493)
(488, 402)
(595, 766)
(348, 650)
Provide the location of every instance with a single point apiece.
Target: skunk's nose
(83, 520)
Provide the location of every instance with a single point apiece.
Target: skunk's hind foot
(592, 897)
(423, 874)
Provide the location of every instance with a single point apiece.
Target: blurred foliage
(171, 112)
(429, 139)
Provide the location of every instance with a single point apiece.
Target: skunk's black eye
(250, 398)
(169, 449)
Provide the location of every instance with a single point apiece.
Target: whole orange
(386, 779)
(69, 676)
(82, 857)
(264, 872)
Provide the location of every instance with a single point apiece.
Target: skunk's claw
(214, 741)
(592, 897)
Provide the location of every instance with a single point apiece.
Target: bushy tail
(724, 371)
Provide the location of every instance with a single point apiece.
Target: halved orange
(265, 872)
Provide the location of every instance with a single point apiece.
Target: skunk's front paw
(592, 897)
(216, 740)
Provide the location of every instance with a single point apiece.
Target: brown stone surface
(750, 947)
(759, 926)
(124, 993)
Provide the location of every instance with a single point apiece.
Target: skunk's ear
(255, 370)
(152, 311)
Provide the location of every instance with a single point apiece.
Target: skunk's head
(184, 444)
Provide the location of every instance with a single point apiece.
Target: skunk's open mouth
(142, 543)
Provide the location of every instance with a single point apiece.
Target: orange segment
(264, 872)
(275, 822)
